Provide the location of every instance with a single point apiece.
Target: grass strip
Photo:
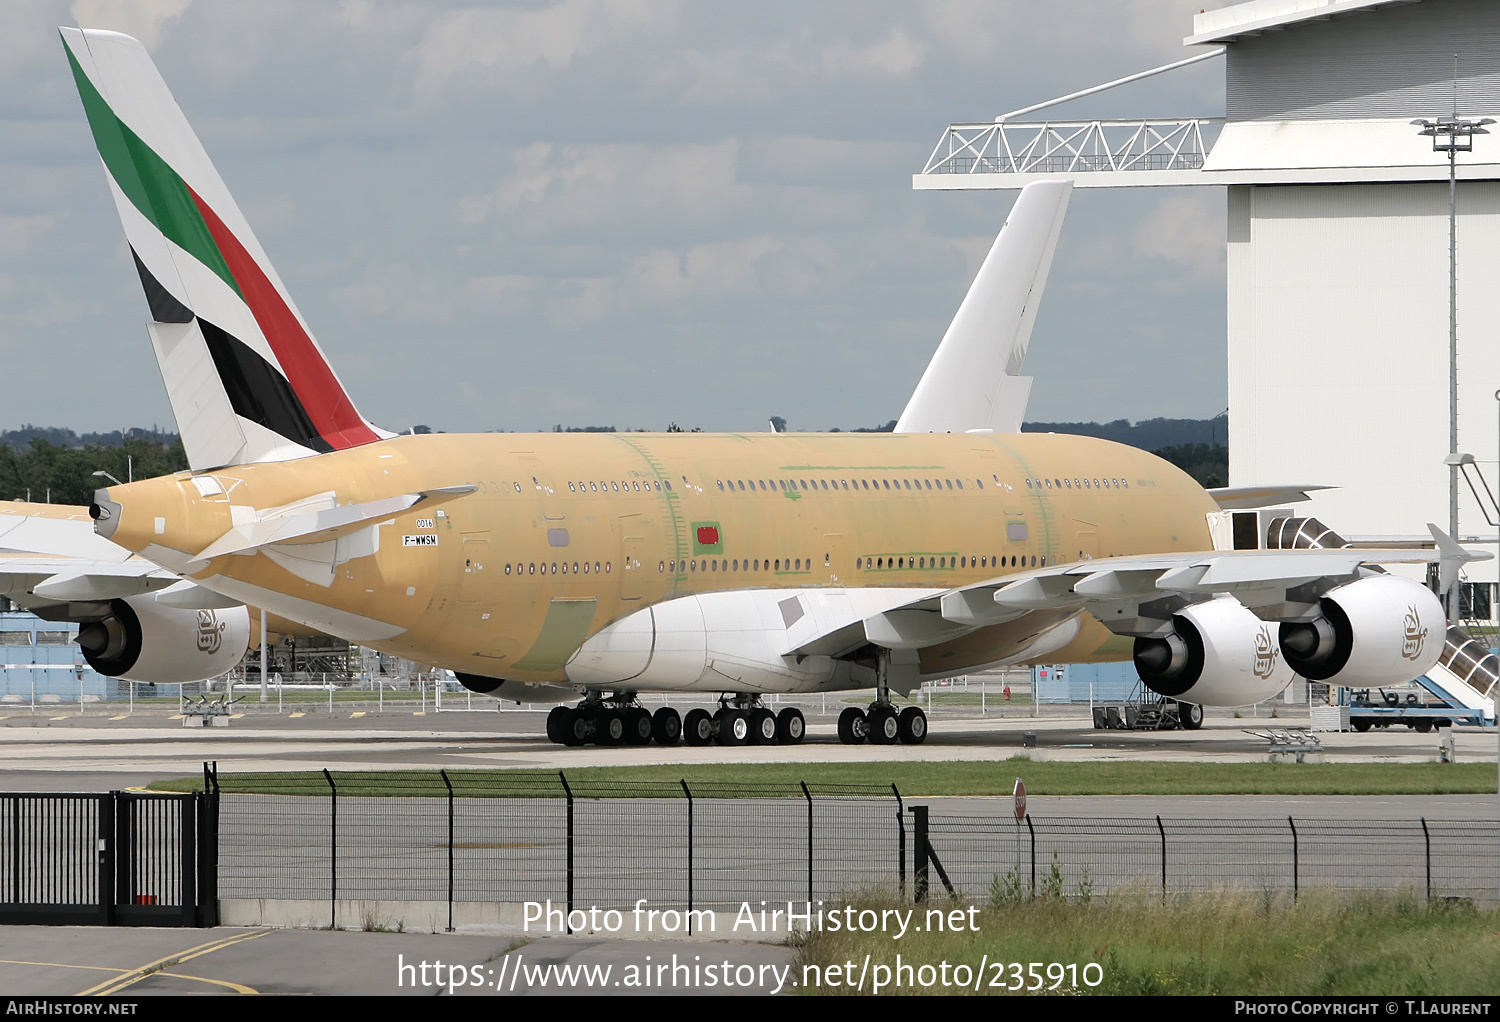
(914, 779)
(1243, 943)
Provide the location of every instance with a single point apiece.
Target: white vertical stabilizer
(974, 380)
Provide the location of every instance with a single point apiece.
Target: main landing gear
(883, 724)
(741, 720)
(619, 720)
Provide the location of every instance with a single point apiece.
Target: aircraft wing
(1238, 498)
(1135, 595)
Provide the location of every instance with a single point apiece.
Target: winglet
(1452, 557)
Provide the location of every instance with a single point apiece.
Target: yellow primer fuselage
(612, 523)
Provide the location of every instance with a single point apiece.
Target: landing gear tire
(790, 727)
(576, 728)
(912, 725)
(666, 726)
(762, 727)
(853, 726)
(557, 725)
(734, 727)
(1190, 716)
(698, 727)
(638, 727)
(885, 729)
(609, 728)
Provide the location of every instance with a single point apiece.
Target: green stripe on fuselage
(148, 182)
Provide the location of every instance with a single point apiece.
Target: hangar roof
(1227, 24)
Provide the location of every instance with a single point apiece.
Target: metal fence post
(568, 928)
(1032, 831)
(1163, 832)
(108, 855)
(1296, 864)
(1427, 854)
(919, 852)
(900, 841)
(333, 855)
(688, 792)
(808, 795)
(208, 849)
(449, 784)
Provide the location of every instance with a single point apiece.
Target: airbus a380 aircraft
(604, 565)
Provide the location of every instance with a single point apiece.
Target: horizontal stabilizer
(1241, 498)
(322, 525)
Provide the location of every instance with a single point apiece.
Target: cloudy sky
(623, 212)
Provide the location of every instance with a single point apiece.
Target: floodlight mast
(1453, 135)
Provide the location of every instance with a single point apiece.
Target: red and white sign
(1020, 800)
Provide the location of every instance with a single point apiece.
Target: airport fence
(480, 836)
(993, 858)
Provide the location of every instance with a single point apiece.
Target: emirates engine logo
(1415, 637)
(1266, 654)
(210, 632)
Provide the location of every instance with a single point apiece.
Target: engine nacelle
(143, 640)
(1217, 654)
(1381, 630)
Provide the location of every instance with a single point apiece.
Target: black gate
(118, 858)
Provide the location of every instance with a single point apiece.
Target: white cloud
(1188, 231)
(147, 20)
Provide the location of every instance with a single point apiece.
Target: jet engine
(1379, 630)
(140, 639)
(1217, 654)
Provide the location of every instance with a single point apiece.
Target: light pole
(1453, 135)
(101, 474)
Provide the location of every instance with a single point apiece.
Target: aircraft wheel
(790, 727)
(853, 727)
(557, 725)
(762, 727)
(609, 728)
(638, 726)
(698, 727)
(1190, 716)
(884, 725)
(912, 725)
(734, 727)
(577, 728)
(666, 726)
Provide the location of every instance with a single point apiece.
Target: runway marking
(129, 977)
(238, 988)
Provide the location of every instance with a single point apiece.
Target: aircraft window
(865, 482)
(979, 483)
(841, 482)
(1068, 483)
(535, 483)
(518, 487)
(606, 567)
(803, 483)
(570, 487)
(635, 486)
(799, 564)
(565, 567)
(963, 562)
(886, 483)
(575, 567)
(823, 481)
(692, 565)
(1048, 482)
(668, 485)
(960, 484)
(507, 569)
(757, 564)
(1096, 482)
(533, 570)
(1075, 482)
(1044, 560)
(721, 485)
(661, 566)
(554, 567)
(778, 564)
(585, 567)
(616, 486)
